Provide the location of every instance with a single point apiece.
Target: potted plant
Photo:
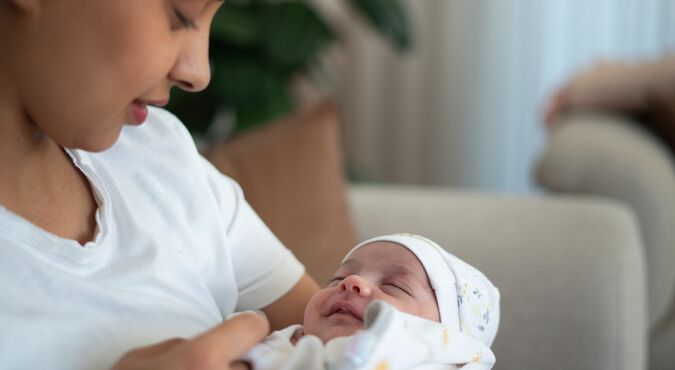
(258, 48)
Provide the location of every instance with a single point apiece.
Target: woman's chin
(98, 144)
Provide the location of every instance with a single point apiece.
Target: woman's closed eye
(183, 20)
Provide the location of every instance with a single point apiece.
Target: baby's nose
(355, 284)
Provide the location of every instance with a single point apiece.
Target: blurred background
(440, 92)
(452, 93)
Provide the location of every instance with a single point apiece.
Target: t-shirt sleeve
(264, 268)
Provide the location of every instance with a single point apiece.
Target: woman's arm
(290, 308)
(614, 86)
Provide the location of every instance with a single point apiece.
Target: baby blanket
(392, 340)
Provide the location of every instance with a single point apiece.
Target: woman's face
(83, 68)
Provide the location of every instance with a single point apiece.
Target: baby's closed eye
(397, 287)
(335, 280)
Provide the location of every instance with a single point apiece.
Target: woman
(114, 237)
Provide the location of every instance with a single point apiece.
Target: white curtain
(463, 109)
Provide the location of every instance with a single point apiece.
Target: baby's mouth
(342, 309)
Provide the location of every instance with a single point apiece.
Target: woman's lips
(139, 112)
(139, 109)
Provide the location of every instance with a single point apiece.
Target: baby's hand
(215, 349)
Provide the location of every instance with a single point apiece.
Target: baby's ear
(26, 7)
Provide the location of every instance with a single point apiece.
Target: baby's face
(381, 270)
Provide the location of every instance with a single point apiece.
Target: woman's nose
(356, 285)
(192, 71)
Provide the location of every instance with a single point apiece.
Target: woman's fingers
(156, 349)
(216, 349)
(227, 341)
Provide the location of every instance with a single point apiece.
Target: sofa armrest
(570, 270)
(610, 156)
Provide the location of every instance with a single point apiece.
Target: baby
(396, 302)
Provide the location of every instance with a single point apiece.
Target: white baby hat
(467, 300)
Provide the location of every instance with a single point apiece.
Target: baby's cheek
(309, 323)
(424, 309)
(431, 312)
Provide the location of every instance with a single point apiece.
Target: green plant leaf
(293, 33)
(254, 90)
(389, 17)
(238, 78)
(274, 102)
(236, 24)
(196, 111)
(259, 46)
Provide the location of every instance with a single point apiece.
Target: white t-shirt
(177, 248)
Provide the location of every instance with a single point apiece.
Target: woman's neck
(23, 146)
(24, 149)
(38, 180)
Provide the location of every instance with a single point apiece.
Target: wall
(463, 109)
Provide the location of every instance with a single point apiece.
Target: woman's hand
(613, 86)
(215, 349)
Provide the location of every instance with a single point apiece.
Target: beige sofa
(607, 156)
(570, 269)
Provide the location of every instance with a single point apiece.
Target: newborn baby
(396, 302)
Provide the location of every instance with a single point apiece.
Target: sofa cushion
(570, 270)
(292, 174)
(610, 156)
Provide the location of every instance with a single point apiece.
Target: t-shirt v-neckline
(43, 240)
